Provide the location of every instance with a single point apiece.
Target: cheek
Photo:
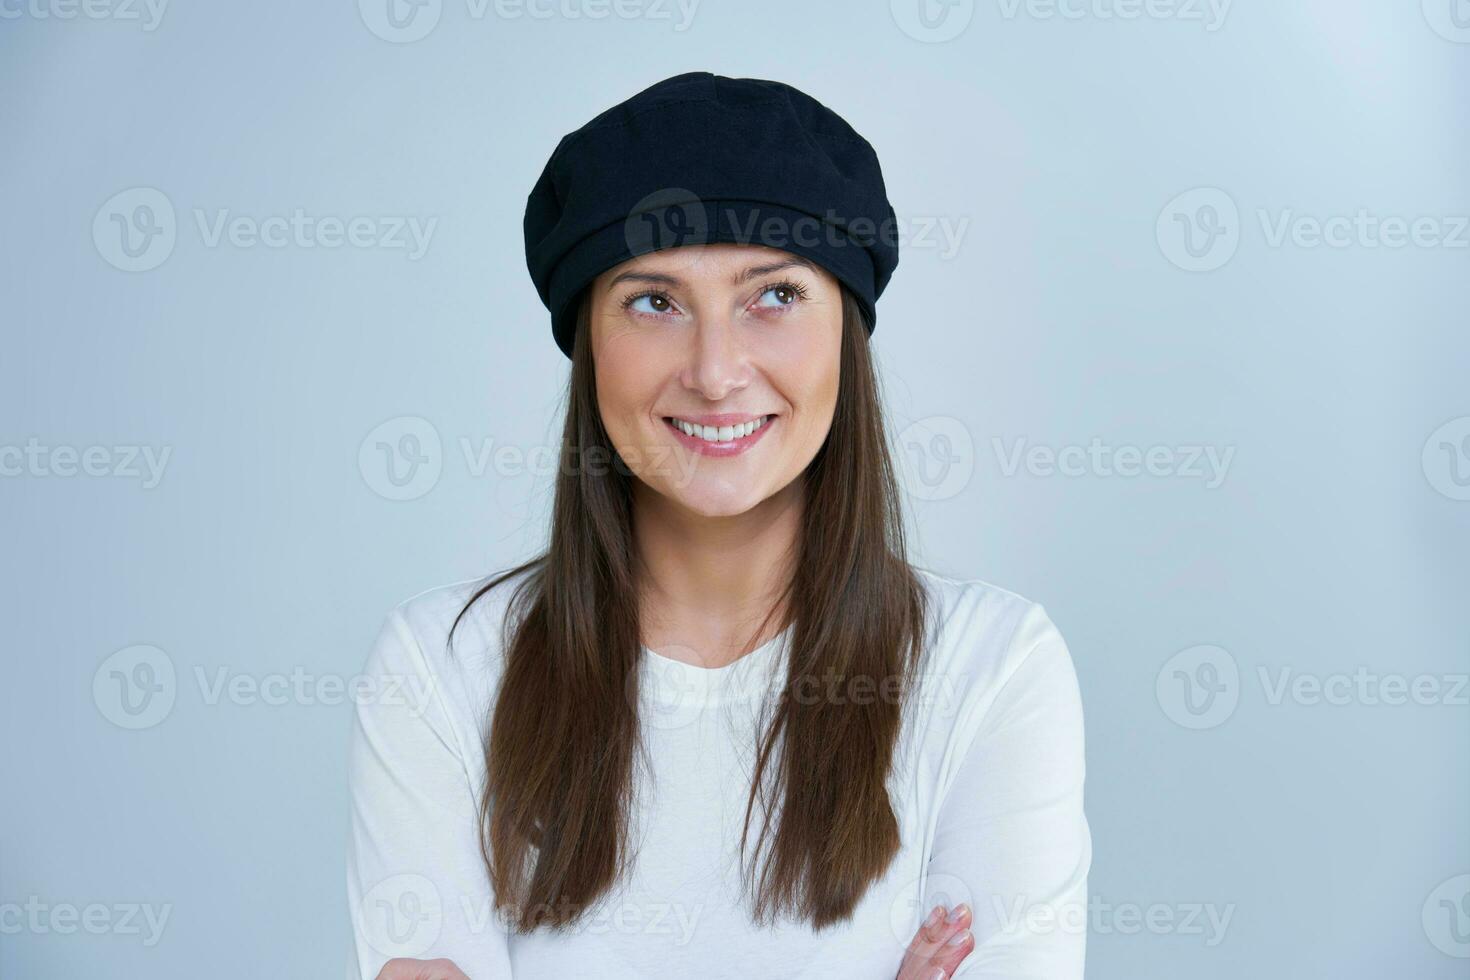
(816, 404)
(627, 371)
(814, 354)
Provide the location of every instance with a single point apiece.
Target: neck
(707, 582)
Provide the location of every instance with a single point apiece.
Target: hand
(942, 942)
(405, 969)
(937, 949)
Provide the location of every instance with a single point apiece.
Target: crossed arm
(1010, 857)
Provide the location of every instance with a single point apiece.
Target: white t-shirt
(987, 785)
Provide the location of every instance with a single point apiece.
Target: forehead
(719, 262)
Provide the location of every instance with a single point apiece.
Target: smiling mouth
(715, 435)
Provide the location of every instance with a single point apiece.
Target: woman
(721, 727)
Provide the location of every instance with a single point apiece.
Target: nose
(719, 362)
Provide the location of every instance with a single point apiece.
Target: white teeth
(724, 433)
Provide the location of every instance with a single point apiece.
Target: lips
(733, 435)
(718, 428)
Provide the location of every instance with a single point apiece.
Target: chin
(716, 501)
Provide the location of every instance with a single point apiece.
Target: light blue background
(268, 546)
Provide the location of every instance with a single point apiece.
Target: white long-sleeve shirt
(987, 785)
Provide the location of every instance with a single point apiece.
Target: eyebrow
(751, 272)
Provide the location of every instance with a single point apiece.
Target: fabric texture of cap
(700, 158)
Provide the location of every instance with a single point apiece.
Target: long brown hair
(564, 730)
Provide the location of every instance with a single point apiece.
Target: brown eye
(783, 294)
(656, 303)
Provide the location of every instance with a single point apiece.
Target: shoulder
(978, 625)
(448, 639)
(986, 640)
(471, 609)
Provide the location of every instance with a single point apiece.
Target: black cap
(700, 158)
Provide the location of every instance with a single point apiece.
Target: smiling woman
(731, 335)
(722, 726)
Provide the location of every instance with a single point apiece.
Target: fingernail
(957, 912)
(938, 974)
(958, 937)
(934, 915)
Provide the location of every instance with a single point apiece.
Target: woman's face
(717, 336)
